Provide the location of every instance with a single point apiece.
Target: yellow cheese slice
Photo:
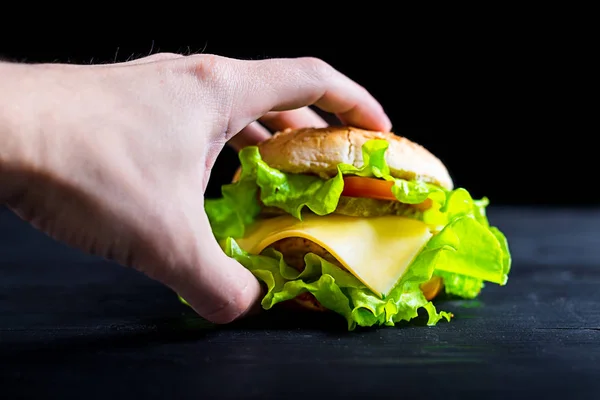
(376, 250)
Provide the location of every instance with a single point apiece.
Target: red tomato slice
(358, 186)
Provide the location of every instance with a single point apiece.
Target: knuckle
(317, 67)
(207, 67)
(164, 56)
(219, 78)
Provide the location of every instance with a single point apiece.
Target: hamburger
(366, 225)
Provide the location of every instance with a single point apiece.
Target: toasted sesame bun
(319, 151)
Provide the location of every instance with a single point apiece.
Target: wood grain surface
(74, 326)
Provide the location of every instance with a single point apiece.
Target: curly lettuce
(239, 207)
(466, 251)
(339, 290)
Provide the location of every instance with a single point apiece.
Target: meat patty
(294, 249)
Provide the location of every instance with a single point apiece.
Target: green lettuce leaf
(239, 206)
(340, 291)
(459, 285)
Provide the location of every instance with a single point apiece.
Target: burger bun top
(319, 151)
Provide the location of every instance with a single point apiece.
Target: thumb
(216, 286)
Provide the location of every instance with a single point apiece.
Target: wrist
(17, 128)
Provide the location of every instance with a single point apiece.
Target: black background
(506, 119)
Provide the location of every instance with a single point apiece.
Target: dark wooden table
(76, 326)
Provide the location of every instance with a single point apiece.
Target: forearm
(17, 128)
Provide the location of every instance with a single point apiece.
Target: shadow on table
(58, 342)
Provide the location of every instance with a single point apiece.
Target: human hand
(118, 159)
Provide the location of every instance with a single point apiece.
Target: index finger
(286, 84)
